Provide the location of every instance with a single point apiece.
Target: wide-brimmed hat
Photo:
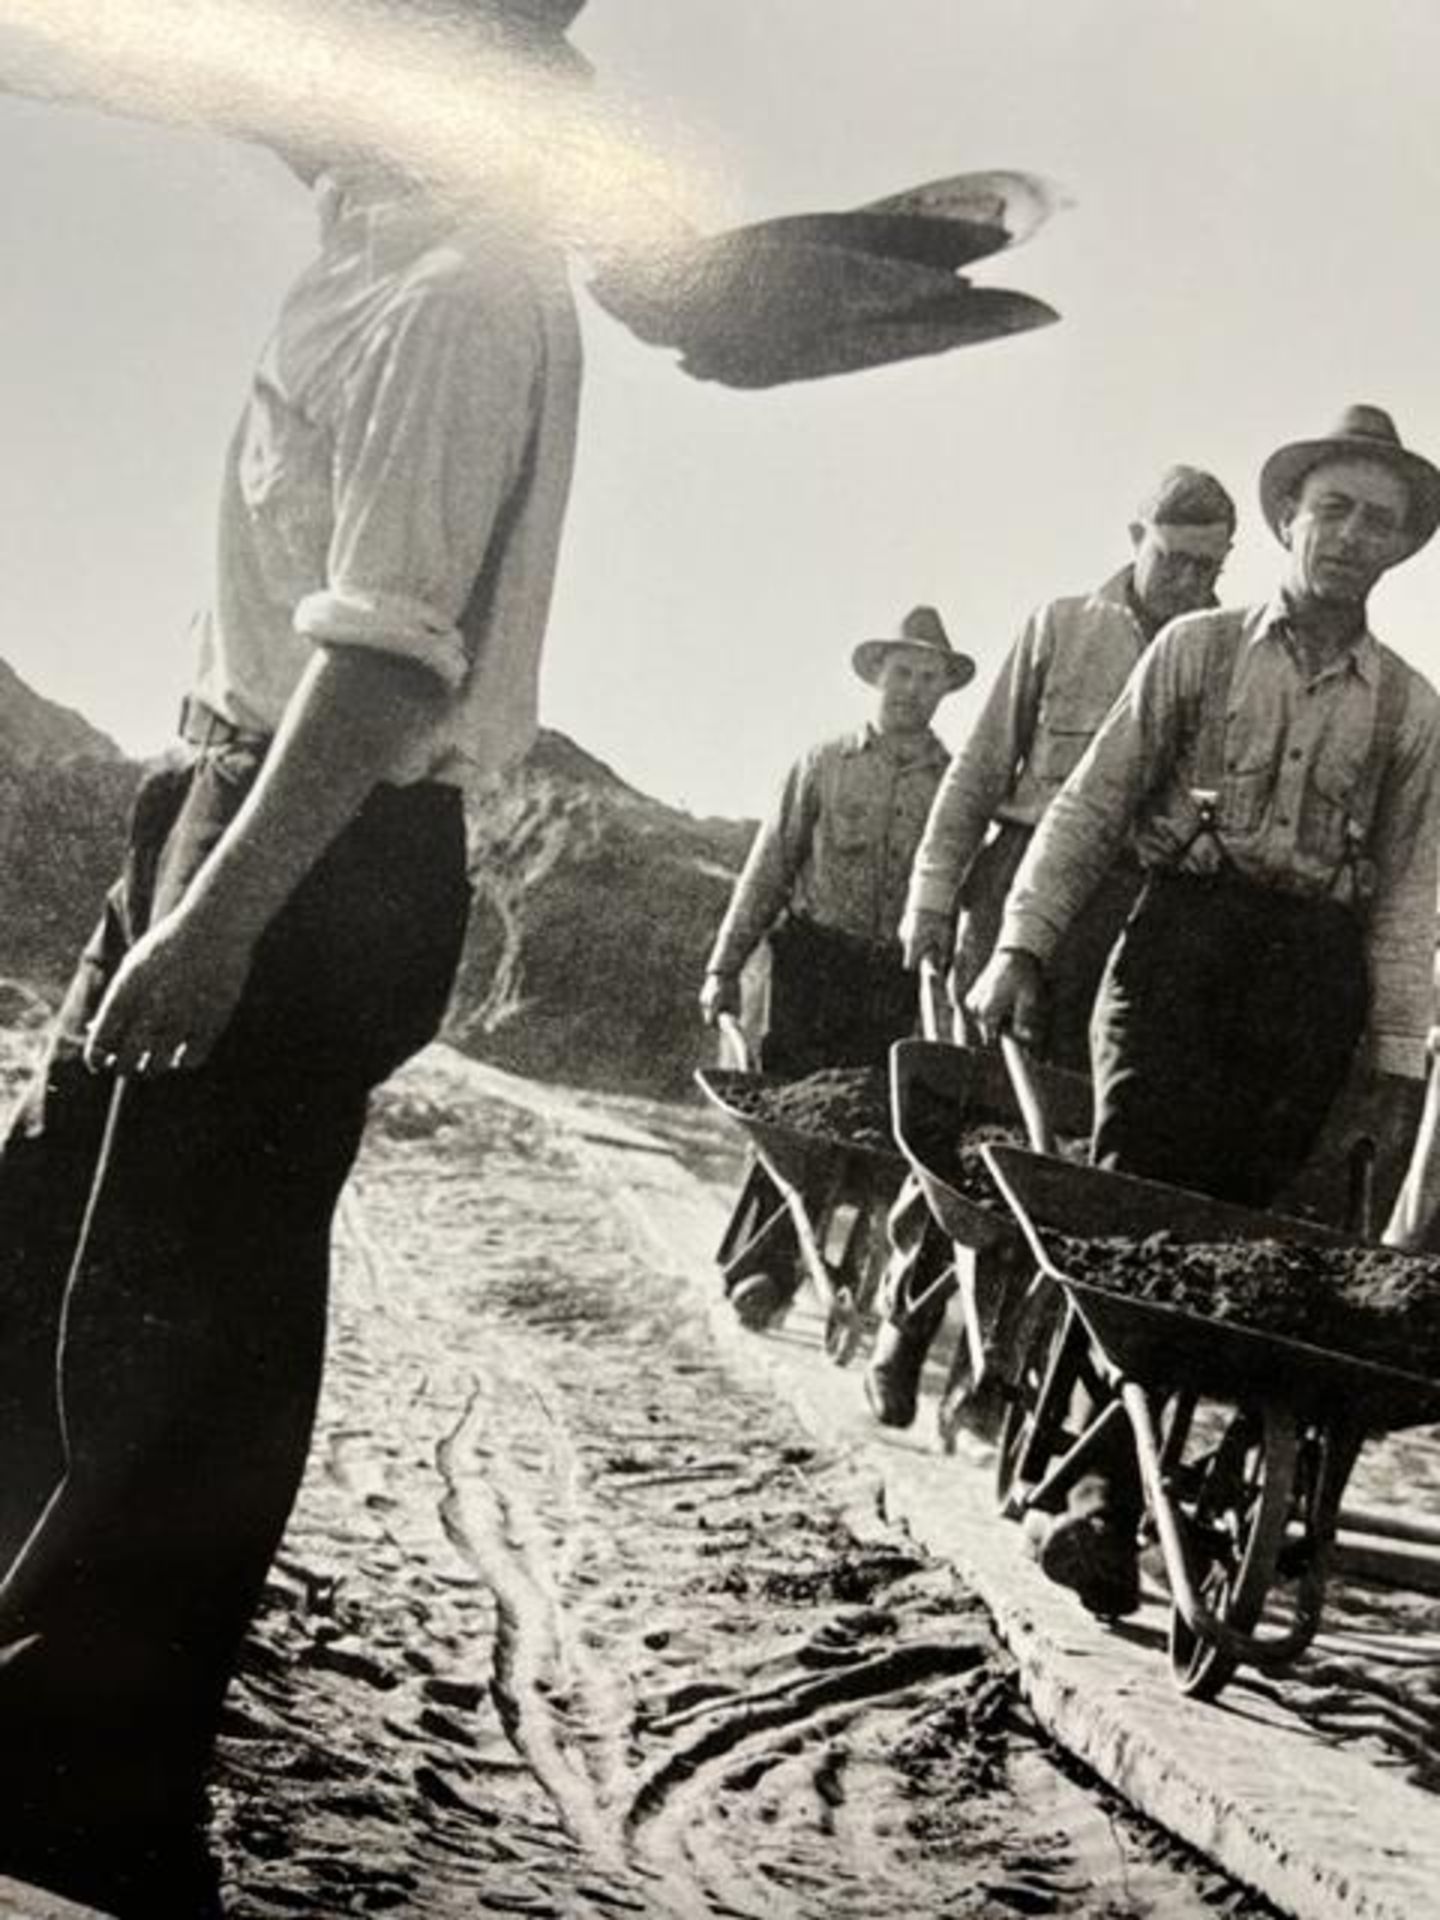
(1361, 433)
(921, 631)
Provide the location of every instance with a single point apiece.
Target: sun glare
(437, 96)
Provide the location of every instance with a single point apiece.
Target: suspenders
(1389, 713)
(1222, 656)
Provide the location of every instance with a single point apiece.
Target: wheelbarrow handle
(733, 1034)
(934, 1001)
(1027, 1094)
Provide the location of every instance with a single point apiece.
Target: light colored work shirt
(839, 846)
(1056, 686)
(398, 478)
(1295, 811)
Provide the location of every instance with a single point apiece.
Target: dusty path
(570, 1623)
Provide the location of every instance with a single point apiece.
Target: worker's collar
(1119, 591)
(909, 746)
(1362, 656)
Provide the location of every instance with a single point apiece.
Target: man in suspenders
(1279, 771)
(1056, 686)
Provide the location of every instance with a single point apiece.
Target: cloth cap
(1361, 433)
(1187, 497)
(921, 631)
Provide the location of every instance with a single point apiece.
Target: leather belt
(201, 726)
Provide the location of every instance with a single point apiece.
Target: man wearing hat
(1279, 772)
(284, 933)
(825, 880)
(1069, 663)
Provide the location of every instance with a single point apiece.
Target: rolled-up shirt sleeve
(434, 437)
(1405, 848)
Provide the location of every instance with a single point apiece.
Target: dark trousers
(1223, 1032)
(919, 1252)
(190, 1333)
(1073, 977)
(1224, 1029)
(835, 1001)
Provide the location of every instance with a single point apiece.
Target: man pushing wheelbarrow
(825, 883)
(1277, 768)
(1055, 687)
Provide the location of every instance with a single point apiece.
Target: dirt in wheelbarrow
(950, 1143)
(1370, 1302)
(850, 1105)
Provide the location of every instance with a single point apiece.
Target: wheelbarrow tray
(798, 1159)
(973, 1088)
(1162, 1346)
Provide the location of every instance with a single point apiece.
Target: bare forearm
(351, 720)
(352, 717)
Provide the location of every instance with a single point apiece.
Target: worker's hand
(925, 935)
(171, 999)
(1009, 996)
(720, 994)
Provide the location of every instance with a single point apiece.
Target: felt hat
(1361, 433)
(922, 631)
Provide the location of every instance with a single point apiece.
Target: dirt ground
(570, 1622)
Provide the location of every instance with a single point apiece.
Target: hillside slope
(594, 908)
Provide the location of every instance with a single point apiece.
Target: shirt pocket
(1331, 801)
(1063, 732)
(1247, 778)
(850, 830)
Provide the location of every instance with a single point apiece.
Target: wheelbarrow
(1245, 1439)
(940, 1093)
(814, 1206)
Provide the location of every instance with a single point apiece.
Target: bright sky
(1251, 247)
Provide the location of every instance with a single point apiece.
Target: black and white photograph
(719, 897)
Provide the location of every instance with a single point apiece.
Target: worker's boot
(892, 1379)
(1093, 1546)
(761, 1298)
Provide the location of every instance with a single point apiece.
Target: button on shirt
(399, 476)
(1052, 693)
(1295, 811)
(840, 844)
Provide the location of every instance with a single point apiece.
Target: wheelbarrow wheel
(959, 1391)
(1022, 1403)
(1236, 1511)
(762, 1297)
(851, 1314)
